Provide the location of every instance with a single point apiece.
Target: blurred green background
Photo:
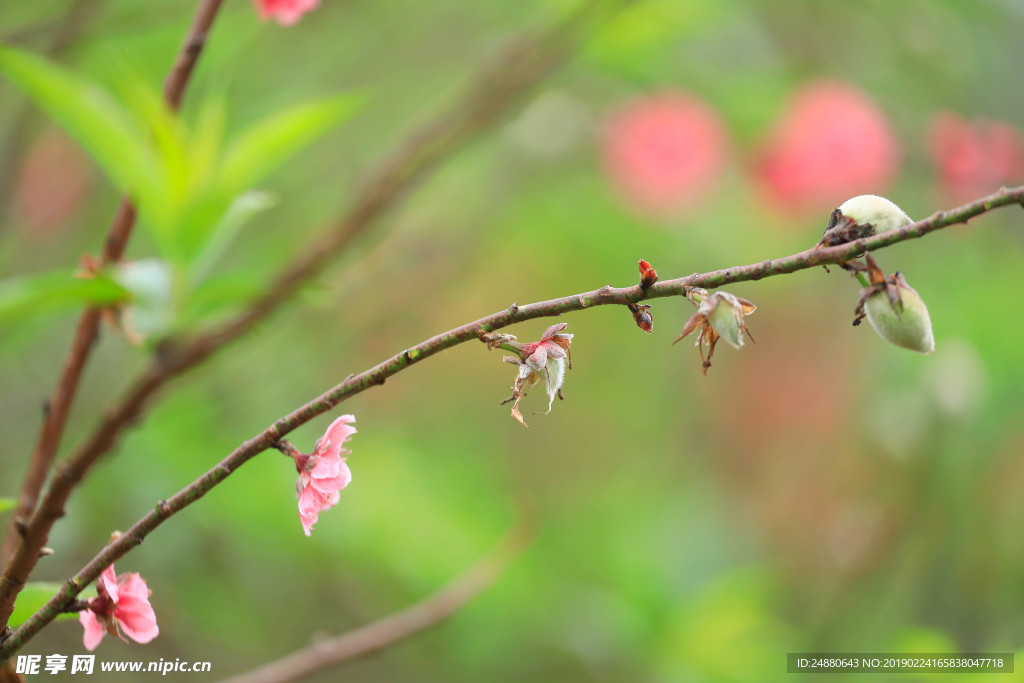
(820, 490)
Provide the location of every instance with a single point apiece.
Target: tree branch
(59, 405)
(386, 632)
(489, 95)
(376, 375)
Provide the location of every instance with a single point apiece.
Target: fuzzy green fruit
(908, 326)
(878, 212)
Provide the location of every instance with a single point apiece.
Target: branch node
(514, 308)
(287, 448)
(195, 44)
(69, 473)
(76, 606)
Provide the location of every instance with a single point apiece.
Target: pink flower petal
(334, 484)
(538, 359)
(337, 434)
(284, 12)
(327, 468)
(553, 349)
(552, 331)
(133, 612)
(109, 579)
(94, 630)
(138, 621)
(311, 502)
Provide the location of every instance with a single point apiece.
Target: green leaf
(34, 595)
(55, 291)
(106, 130)
(265, 145)
(7, 504)
(224, 233)
(220, 293)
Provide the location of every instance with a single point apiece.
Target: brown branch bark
(397, 627)
(483, 102)
(375, 376)
(59, 405)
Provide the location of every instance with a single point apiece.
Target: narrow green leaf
(267, 144)
(7, 504)
(101, 126)
(55, 291)
(34, 595)
(242, 210)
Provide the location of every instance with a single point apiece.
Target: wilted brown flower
(719, 315)
(540, 361)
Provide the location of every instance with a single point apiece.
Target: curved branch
(488, 96)
(392, 629)
(376, 375)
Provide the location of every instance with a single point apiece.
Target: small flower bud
(648, 276)
(642, 316)
(905, 323)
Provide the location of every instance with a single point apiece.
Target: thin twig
(489, 95)
(376, 375)
(59, 404)
(386, 632)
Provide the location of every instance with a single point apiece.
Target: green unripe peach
(907, 324)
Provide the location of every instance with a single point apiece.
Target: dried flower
(719, 315)
(648, 276)
(324, 473)
(540, 361)
(121, 606)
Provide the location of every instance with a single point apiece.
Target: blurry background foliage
(819, 491)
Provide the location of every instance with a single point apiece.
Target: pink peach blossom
(324, 473)
(974, 157)
(121, 605)
(664, 153)
(284, 12)
(831, 142)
